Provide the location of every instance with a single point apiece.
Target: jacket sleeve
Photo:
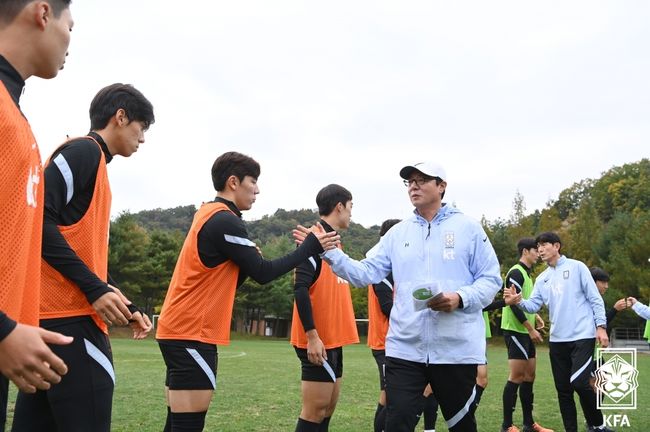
(593, 296)
(642, 310)
(536, 299)
(371, 270)
(484, 266)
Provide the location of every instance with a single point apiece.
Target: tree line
(603, 222)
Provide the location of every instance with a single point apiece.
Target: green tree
(127, 254)
(584, 232)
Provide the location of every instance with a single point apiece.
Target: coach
(443, 345)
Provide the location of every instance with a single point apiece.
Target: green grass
(258, 389)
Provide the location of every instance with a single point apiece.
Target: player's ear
(232, 182)
(41, 13)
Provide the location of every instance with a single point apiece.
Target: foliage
(141, 262)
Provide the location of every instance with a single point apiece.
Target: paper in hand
(423, 293)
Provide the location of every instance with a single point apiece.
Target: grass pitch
(258, 389)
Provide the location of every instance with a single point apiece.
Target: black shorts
(312, 372)
(380, 358)
(190, 365)
(83, 400)
(520, 346)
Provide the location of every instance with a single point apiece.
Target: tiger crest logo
(616, 378)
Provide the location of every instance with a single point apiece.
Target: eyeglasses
(418, 181)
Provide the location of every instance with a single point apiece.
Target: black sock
(526, 396)
(479, 393)
(380, 418)
(430, 412)
(325, 424)
(509, 402)
(168, 421)
(188, 422)
(306, 426)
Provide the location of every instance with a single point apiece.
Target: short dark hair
(526, 243)
(115, 96)
(330, 196)
(9, 9)
(438, 180)
(548, 237)
(386, 225)
(233, 163)
(599, 274)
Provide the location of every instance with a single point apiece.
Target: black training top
(12, 80)
(65, 207)
(306, 274)
(384, 295)
(224, 237)
(519, 278)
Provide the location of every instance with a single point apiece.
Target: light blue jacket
(575, 306)
(454, 251)
(641, 310)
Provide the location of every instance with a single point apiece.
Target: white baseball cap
(430, 169)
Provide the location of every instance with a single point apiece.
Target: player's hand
(620, 304)
(111, 308)
(539, 322)
(329, 241)
(510, 295)
(300, 233)
(140, 324)
(535, 336)
(117, 291)
(631, 301)
(601, 337)
(316, 352)
(445, 302)
(28, 362)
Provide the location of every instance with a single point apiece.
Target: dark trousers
(82, 401)
(452, 385)
(4, 394)
(571, 363)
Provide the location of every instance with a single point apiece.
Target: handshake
(511, 296)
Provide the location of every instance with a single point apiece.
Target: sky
(509, 96)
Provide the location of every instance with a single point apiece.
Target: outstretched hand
(511, 296)
(328, 240)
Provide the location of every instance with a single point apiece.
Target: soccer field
(258, 387)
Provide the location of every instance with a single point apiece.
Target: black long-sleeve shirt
(307, 273)
(513, 275)
(14, 84)
(224, 237)
(69, 187)
(384, 292)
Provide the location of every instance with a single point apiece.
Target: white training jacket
(641, 310)
(454, 251)
(575, 307)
